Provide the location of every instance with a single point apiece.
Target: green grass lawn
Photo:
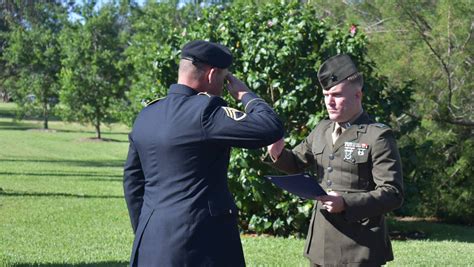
(61, 204)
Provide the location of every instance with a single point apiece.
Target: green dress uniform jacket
(363, 166)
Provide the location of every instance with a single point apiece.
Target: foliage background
(278, 47)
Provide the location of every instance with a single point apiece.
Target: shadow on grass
(98, 264)
(19, 126)
(50, 194)
(79, 163)
(67, 174)
(91, 132)
(432, 231)
(24, 126)
(7, 113)
(103, 139)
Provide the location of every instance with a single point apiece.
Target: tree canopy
(103, 62)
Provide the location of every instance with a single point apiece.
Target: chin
(334, 117)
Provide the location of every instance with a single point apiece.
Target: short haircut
(356, 80)
(193, 69)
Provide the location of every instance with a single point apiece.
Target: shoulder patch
(151, 102)
(204, 93)
(380, 125)
(234, 114)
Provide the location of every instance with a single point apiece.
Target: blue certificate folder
(303, 185)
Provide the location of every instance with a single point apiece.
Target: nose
(329, 100)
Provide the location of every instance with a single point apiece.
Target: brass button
(331, 156)
(329, 169)
(328, 182)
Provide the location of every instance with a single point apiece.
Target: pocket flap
(361, 157)
(220, 207)
(356, 156)
(318, 148)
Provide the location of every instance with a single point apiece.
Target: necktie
(336, 133)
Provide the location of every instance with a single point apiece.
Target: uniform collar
(354, 120)
(182, 89)
(363, 118)
(359, 126)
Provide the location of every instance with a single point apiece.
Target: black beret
(213, 54)
(335, 70)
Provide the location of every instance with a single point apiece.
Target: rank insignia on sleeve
(234, 114)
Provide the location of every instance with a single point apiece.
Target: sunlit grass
(61, 204)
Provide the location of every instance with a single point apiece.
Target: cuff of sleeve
(352, 212)
(248, 98)
(285, 156)
(266, 158)
(348, 213)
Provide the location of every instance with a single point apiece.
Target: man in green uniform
(357, 161)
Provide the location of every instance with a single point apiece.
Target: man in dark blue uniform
(175, 177)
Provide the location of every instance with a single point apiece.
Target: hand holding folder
(303, 185)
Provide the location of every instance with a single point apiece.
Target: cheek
(340, 102)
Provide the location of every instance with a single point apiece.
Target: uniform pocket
(364, 170)
(318, 149)
(218, 207)
(366, 242)
(357, 167)
(360, 157)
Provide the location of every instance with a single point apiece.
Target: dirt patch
(256, 235)
(96, 140)
(417, 219)
(409, 235)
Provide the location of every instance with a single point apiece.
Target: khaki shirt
(363, 166)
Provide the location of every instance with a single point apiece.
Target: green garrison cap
(335, 70)
(213, 54)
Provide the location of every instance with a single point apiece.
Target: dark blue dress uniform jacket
(175, 177)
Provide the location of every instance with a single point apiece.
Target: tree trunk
(97, 122)
(97, 130)
(45, 116)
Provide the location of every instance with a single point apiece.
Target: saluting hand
(333, 202)
(236, 87)
(276, 148)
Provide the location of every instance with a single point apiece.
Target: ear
(211, 75)
(359, 94)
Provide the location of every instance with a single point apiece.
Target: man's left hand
(333, 202)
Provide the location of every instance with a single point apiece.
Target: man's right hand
(236, 87)
(275, 149)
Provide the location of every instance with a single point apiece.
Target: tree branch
(458, 122)
(467, 123)
(379, 22)
(424, 38)
(468, 39)
(368, 31)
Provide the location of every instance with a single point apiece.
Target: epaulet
(325, 121)
(380, 125)
(151, 102)
(323, 124)
(204, 93)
